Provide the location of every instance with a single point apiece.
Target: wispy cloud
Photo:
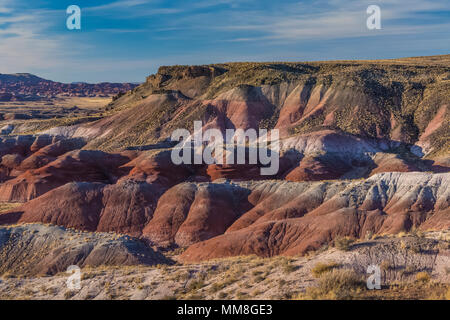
(114, 30)
(125, 4)
(26, 45)
(131, 8)
(131, 38)
(334, 20)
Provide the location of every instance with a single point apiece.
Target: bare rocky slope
(35, 249)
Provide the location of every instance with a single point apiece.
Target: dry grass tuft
(320, 268)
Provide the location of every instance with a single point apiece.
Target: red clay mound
(387, 203)
(25, 153)
(125, 207)
(128, 206)
(199, 212)
(285, 237)
(49, 153)
(392, 163)
(18, 145)
(75, 205)
(159, 168)
(316, 169)
(80, 166)
(172, 210)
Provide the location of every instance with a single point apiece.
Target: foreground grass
(6, 206)
(346, 284)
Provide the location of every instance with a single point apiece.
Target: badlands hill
(46, 250)
(394, 100)
(364, 150)
(28, 87)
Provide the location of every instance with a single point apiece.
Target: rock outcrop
(46, 250)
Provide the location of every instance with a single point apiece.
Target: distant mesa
(28, 87)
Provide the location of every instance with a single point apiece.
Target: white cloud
(334, 19)
(25, 44)
(129, 6)
(117, 5)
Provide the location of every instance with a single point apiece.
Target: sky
(127, 40)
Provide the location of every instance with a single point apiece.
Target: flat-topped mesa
(166, 73)
(180, 72)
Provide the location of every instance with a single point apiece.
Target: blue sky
(128, 40)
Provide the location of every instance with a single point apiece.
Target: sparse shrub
(217, 286)
(229, 281)
(138, 280)
(335, 285)
(28, 292)
(8, 275)
(288, 295)
(222, 295)
(286, 265)
(419, 234)
(195, 297)
(340, 279)
(241, 296)
(403, 245)
(88, 275)
(386, 265)
(256, 293)
(246, 285)
(410, 269)
(196, 285)
(256, 273)
(289, 267)
(180, 276)
(423, 277)
(51, 291)
(343, 243)
(68, 294)
(320, 268)
(401, 234)
(89, 296)
(416, 249)
(369, 235)
(323, 248)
